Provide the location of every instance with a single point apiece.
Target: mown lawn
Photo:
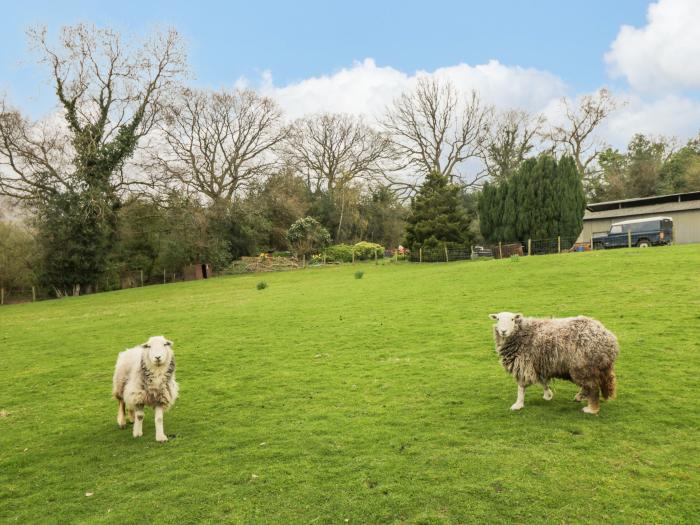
(328, 399)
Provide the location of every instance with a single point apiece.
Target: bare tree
(109, 94)
(435, 130)
(332, 151)
(511, 137)
(218, 142)
(576, 136)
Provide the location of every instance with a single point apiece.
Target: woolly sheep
(145, 375)
(579, 349)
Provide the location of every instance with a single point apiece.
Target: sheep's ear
(146, 345)
(493, 316)
(518, 318)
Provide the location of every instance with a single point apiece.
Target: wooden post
(173, 276)
(629, 238)
(396, 255)
(500, 250)
(376, 257)
(420, 255)
(324, 258)
(141, 278)
(2, 295)
(33, 294)
(447, 257)
(529, 247)
(163, 275)
(559, 244)
(592, 245)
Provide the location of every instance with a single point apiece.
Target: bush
(359, 274)
(262, 285)
(366, 250)
(339, 253)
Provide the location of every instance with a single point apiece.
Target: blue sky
(296, 40)
(281, 47)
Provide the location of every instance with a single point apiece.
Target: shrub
(339, 253)
(262, 285)
(359, 274)
(366, 250)
(307, 236)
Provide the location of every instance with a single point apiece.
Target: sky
(357, 56)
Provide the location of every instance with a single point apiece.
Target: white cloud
(663, 55)
(367, 89)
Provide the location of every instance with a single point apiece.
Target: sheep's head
(158, 350)
(506, 323)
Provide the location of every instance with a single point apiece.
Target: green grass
(328, 399)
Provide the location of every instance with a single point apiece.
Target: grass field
(329, 399)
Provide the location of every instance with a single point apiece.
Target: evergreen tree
(437, 215)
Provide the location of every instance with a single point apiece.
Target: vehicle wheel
(643, 243)
(598, 246)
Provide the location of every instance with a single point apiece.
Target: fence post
(324, 258)
(353, 255)
(376, 257)
(396, 255)
(592, 245)
(163, 275)
(559, 244)
(629, 238)
(529, 247)
(420, 255)
(2, 295)
(447, 257)
(141, 278)
(33, 294)
(303, 260)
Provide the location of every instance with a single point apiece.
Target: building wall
(686, 224)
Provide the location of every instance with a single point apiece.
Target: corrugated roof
(644, 201)
(642, 210)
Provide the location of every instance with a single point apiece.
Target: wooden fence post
(592, 245)
(447, 257)
(376, 257)
(2, 295)
(396, 255)
(141, 278)
(353, 255)
(529, 247)
(303, 261)
(33, 294)
(629, 238)
(420, 255)
(500, 250)
(559, 244)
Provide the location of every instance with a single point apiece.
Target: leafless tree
(109, 93)
(216, 143)
(510, 138)
(433, 129)
(333, 151)
(576, 136)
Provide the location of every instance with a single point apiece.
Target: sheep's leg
(548, 394)
(138, 421)
(121, 417)
(130, 415)
(581, 396)
(593, 401)
(160, 435)
(520, 402)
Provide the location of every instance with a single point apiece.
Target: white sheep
(145, 375)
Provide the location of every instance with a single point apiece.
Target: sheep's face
(506, 323)
(158, 350)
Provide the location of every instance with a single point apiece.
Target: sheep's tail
(608, 384)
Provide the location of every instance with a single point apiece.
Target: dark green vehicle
(643, 233)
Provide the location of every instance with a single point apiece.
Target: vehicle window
(649, 226)
(616, 229)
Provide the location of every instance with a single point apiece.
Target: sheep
(145, 375)
(579, 349)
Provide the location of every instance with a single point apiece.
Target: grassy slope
(324, 399)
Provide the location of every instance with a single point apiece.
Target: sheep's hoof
(548, 395)
(122, 426)
(517, 406)
(589, 410)
(138, 434)
(161, 439)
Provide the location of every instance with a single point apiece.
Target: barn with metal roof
(683, 208)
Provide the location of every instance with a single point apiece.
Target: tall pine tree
(437, 215)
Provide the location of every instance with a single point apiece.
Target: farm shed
(195, 272)
(683, 208)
